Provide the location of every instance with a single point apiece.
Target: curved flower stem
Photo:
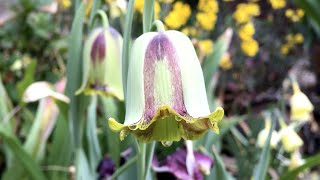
(158, 26)
(103, 16)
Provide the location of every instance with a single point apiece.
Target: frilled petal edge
(168, 125)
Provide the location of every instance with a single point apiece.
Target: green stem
(126, 45)
(147, 15)
(150, 152)
(142, 161)
(103, 16)
(158, 26)
(124, 167)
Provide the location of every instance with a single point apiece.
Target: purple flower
(176, 164)
(106, 168)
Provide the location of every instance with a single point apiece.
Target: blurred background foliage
(250, 70)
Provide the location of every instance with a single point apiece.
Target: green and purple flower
(166, 98)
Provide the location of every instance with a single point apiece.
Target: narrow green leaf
(126, 45)
(60, 156)
(112, 109)
(261, 168)
(92, 136)
(219, 171)
(74, 76)
(148, 12)
(82, 166)
(24, 160)
(123, 168)
(309, 163)
(27, 79)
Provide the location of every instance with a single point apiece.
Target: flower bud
(166, 98)
(301, 106)
(102, 63)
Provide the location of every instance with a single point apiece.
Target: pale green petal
(135, 82)
(194, 92)
(86, 59)
(113, 75)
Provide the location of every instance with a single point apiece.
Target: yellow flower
(250, 47)
(206, 20)
(289, 13)
(247, 31)
(296, 160)
(206, 46)
(189, 31)
(209, 6)
(290, 139)
(301, 107)
(298, 38)
(285, 48)
(225, 62)
(245, 11)
(277, 4)
(65, 4)
(138, 6)
(263, 135)
(300, 13)
(178, 16)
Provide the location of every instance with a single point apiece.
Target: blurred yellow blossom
(189, 31)
(138, 6)
(64, 4)
(263, 135)
(207, 15)
(301, 107)
(206, 20)
(277, 4)
(225, 62)
(206, 46)
(208, 6)
(298, 38)
(285, 48)
(296, 160)
(250, 47)
(178, 16)
(294, 15)
(291, 141)
(247, 31)
(245, 11)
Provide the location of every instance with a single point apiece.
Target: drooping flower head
(263, 135)
(166, 98)
(301, 107)
(102, 64)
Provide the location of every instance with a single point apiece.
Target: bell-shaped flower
(102, 63)
(166, 98)
(301, 106)
(296, 160)
(263, 135)
(291, 141)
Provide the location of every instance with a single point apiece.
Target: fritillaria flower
(166, 98)
(102, 63)
(106, 168)
(290, 139)
(301, 106)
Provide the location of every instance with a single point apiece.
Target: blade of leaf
(94, 147)
(126, 45)
(30, 166)
(74, 76)
(309, 163)
(262, 166)
(148, 11)
(82, 166)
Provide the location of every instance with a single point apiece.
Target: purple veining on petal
(98, 50)
(160, 48)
